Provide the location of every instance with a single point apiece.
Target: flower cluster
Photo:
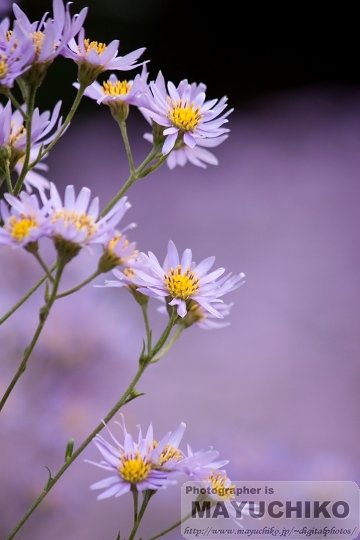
(146, 463)
(72, 224)
(185, 124)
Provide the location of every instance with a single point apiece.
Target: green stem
(172, 526)
(132, 178)
(168, 346)
(153, 168)
(122, 125)
(87, 441)
(43, 265)
(16, 104)
(43, 315)
(147, 496)
(7, 176)
(143, 364)
(135, 494)
(22, 87)
(144, 308)
(165, 334)
(78, 287)
(30, 102)
(25, 297)
(68, 119)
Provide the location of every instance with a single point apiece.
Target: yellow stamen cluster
(133, 470)
(8, 37)
(17, 135)
(38, 40)
(3, 67)
(99, 47)
(82, 222)
(116, 89)
(220, 488)
(129, 272)
(184, 115)
(20, 228)
(181, 285)
(169, 453)
(113, 243)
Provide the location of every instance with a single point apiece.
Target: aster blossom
(94, 57)
(26, 222)
(49, 36)
(14, 56)
(75, 221)
(138, 464)
(13, 132)
(183, 112)
(114, 90)
(181, 280)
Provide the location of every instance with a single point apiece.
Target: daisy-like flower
(75, 224)
(94, 58)
(49, 36)
(200, 465)
(14, 56)
(25, 223)
(198, 155)
(219, 486)
(141, 465)
(116, 94)
(118, 251)
(13, 132)
(183, 112)
(183, 281)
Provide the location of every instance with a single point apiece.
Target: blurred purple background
(276, 392)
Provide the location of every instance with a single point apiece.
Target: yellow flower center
(99, 47)
(38, 40)
(16, 136)
(129, 272)
(82, 222)
(20, 228)
(181, 285)
(3, 68)
(219, 487)
(133, 470)
(184, 116)
(112, 245)
(169, 453)
(118, 88)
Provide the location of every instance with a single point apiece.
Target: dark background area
(246, 51)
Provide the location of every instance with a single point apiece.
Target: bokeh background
(276, 392)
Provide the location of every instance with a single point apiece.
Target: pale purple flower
(200, 465)
(183, 280)
(26, 222)
(183, 112)
(49, 36)
(100, 56)
(121, 249)
(198, 155)
(141, 465)
(15, 56)
(113, 90)
(77, 222)
(13, 133)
